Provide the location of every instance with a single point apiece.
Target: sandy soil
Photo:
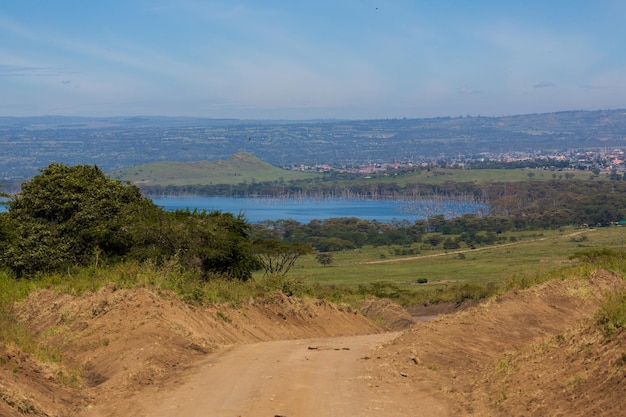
(304, 378)
(534, 352)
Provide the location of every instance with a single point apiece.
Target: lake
(305, 210)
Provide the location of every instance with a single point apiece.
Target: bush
(64, 214)
(613, 259)
(76, 216)
(290, 286)
(611, 317)
(324, 258)
(449, 244)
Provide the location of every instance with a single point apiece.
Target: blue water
(256, 210)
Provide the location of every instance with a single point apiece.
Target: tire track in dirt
(311, 377)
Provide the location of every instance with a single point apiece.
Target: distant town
(608, 161)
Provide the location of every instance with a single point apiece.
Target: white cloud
(31, 71)
(544, 84)
(468, 91)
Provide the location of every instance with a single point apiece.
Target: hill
(528, 352)
(30, 144)
(239, 168)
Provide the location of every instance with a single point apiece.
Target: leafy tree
(324, 258)
(63, 214)
(433, 239)
(66, 215)
(31, 246)
(331, 244)
(450, 244)
(211, 243)
(220, 243)
(439, 223)
(4, 230)
(277, 258)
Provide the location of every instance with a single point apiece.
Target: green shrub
(68, 216)
(613, 259)
(63, 215)
(286, 284)
(11, 330)
(611, 317)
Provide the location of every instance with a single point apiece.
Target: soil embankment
(532, 352)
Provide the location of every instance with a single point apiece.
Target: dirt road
(536, 351)
(312, 377)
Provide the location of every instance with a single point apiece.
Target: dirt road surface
(305, 378)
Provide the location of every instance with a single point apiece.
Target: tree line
(346, 233)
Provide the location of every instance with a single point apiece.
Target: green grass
(11, 330)
(442, 175)
(240, 168)
(169, 279)
(530, 256)
(611, 317)
(533, 257)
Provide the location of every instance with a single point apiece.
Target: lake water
(305, 210)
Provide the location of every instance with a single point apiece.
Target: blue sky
(357, 59)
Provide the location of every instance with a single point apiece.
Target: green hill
(239, 168)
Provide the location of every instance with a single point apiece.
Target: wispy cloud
(233, 58)
(31, 71)
(468, 91)
(206, 9)
(134, 58)
(594, 87)
(544, 84)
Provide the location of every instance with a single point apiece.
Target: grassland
(240, 168)
(442, 175)
(525, 257)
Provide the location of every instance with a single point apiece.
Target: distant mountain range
(32, 143)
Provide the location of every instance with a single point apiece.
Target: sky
(291, 59)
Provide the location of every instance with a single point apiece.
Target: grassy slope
(244, 167)
(530, 256)
(241, 167)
